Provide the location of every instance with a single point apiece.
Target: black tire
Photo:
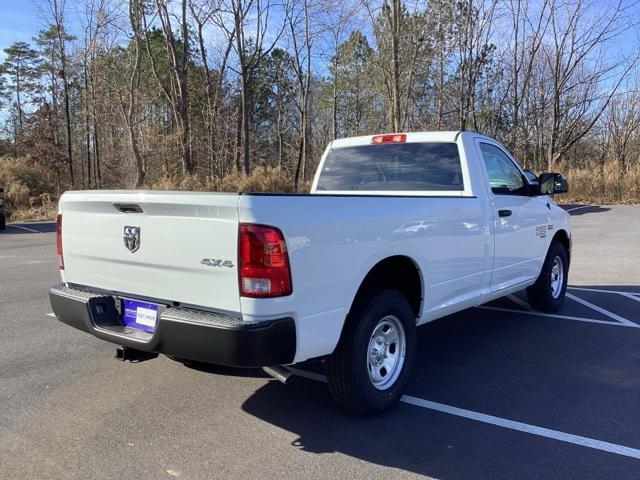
(540, 294)
(3, 222)
(348, 370)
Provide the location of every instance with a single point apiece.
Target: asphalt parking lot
(498, 392)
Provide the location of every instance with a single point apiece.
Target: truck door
(520, 219)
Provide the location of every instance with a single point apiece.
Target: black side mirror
(552, 183)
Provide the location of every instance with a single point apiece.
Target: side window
(504, 177)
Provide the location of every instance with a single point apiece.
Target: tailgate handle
(128, 207)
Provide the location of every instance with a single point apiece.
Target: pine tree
(21, 69)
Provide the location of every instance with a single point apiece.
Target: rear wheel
(3, 222)
(371, 365)
(547, 294)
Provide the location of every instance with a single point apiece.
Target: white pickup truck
(398, 230)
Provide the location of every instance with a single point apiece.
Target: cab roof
(410, 137)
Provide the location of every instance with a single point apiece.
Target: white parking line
(632, 295)
(39, 262)
(503, 422)
(23, 228)
(525, 427)
(51, 315)
(522, 303)
(601, 310)
(581, 207)
(564, 317)
(602, 290)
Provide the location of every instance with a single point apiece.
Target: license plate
(138, 314)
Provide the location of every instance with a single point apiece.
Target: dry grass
(26, 199)
(24, 203)
(261, 179)
(13, 175)
(603, 185)
(32, 214)
(186, 183)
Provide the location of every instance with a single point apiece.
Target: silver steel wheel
(386, 352)
(557, 277)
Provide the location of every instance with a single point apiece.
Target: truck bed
(332, 241)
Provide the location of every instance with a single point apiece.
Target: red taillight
(389, 138)
(59, 242)
(263, 262)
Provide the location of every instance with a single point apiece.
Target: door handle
(504, 213)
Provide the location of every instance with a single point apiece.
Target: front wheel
(3, 222)
(370, 367)
(547, 294)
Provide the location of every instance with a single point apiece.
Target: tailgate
(177, 231)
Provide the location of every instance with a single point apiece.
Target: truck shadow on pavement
(224, 370)
(566, 375)
(576, 209)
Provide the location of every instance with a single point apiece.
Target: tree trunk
(18, 101)
(65, 90)
(237, 161)
(96, 142)
(244, 102)
(395, 64)
(244, 80)
(334, 104)
(87, 122)
(176, 93)
(304, 83)
(181, 69)
(133, 86)
(208, 94)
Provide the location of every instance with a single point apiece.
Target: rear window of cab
(425, 166)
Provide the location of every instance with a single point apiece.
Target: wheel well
(398, 273)
(562, 237)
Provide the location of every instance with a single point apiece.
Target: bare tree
(389, 32)
(55, 16)
(298, 20)
(178, 57)
(401, 38)
(622, 124)
(128, 107)
(528, 32)
(251, 50)
(206, 12)
(337, 17)
(578, 68)
(475, 20)
(218, 89)
(99, 16)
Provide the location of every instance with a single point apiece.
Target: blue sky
(18, 22)
(21, 20)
